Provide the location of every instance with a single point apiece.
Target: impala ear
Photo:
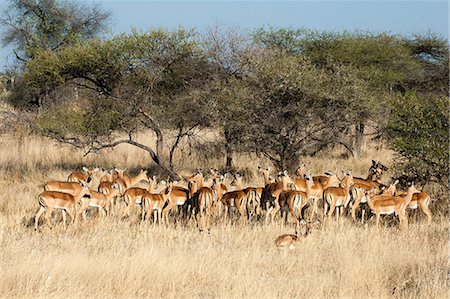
(96, 169)
(163, 182)
(286, 173)
(85, 168)
(374, 162)
(396, 182)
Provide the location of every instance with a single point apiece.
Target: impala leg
(226, 214)
(315, 209)
(147, 215)
(47, 216)
(166, 210)
(377, 219)
(325, 208)
(64, 214)
(159, 217)
(84, 213)
(38, 215)
(155, 216)
(72, 214)
(363, 212)
(208, 219)
(331, 211)
(243, 216)
(426, 211)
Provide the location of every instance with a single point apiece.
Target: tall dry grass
(123, 258)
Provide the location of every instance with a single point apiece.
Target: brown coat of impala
(98, 200)
(79, 176)
(50, 200)
(386, 205)
(202, 201)
(337, 197)
(71, 188)
(421, 200)
(155, 203)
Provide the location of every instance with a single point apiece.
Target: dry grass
(121, 258)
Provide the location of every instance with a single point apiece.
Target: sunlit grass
(122, 258)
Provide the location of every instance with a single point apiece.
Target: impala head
(376, 170)
(300, 170)
(372, 192)
(116, 186)
(120, 172)
(349, 178)
(237, 180)
(168, 189)
(413, 189)
(391, 189)
(90, 171)
(197, 176)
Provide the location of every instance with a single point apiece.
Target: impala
(99, 200)
(373, 179)
(275, 190)
(132, 181)
(106, 182)
(297, 200)
(386, 205)
(235, 199)
(134, 196)
(316, 189)
(155, 203)
(49, 200)
(289, 240)
(337, 197)
(178, 197)
(202, 200)
(421, 199)
(84, 175)
(359, 198)
(71, 188)
(253, 195)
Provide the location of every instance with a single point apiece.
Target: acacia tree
(418, 130)
(300, 108)
(31, 25)
(135, 82)
(384, 61)
(225, 48)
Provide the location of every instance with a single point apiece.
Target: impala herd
(212, 199)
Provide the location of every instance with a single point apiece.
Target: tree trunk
(158, 156)
(359, 139)
(228, 150)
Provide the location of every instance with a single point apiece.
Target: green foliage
(301, 107)
(383, 59)
(30, 25)
(418, 129)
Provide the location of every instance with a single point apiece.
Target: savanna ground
(123, 258)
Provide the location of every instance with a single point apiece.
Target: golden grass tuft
(124, 258)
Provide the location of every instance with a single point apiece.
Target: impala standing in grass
(49, 200)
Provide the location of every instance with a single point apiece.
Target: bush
(418, 130)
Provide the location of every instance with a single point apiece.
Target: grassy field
(123, 258)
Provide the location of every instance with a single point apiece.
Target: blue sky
(403, 17)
